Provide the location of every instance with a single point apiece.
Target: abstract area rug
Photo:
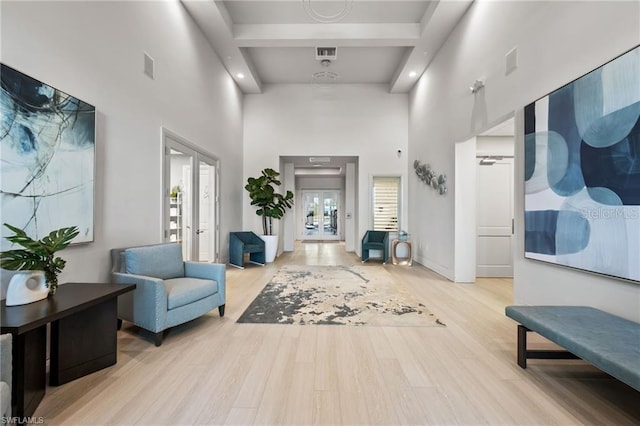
(341, 295)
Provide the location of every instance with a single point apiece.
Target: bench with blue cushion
(609, 342)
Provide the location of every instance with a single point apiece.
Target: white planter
(26, 287)
(270, 247)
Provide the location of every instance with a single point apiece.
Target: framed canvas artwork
(582, 172)
(47, 152)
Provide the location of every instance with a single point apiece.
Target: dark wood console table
(83, 321)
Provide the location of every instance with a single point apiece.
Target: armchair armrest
(6, 354)
(6, 373)
(208, 271)
(146, 306)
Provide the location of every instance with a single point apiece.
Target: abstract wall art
(47, 157)
(582, 172)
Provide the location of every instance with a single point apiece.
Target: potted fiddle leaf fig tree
(38, 255)
(270, 205)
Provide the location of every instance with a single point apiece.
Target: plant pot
(26, 287)
(270, 247)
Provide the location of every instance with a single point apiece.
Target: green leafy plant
(270, 204)
(38, 255)
(174, 192)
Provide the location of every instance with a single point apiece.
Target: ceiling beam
(439, 16)
(301, 35)
(214, 20)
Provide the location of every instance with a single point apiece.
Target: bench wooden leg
(522, 346)
(524, 354)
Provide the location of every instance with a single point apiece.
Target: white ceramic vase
(26, 287)
(270, 247)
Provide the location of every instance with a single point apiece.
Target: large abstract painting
(47, 151)
(582, 172)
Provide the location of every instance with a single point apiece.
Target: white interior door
(495, 218)
(207, 224)
(321, 215)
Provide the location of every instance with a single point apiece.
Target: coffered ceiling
(385, 42)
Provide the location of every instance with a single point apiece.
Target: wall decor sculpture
(582, 172)
(426, 174)
(47, 151)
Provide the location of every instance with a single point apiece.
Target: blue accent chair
(245, 242)
(375, 240)
(168, 290)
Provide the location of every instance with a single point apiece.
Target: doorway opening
(191, 203)
(484, 204)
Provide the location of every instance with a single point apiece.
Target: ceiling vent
(326, 53)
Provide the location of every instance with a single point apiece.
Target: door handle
(200, 231)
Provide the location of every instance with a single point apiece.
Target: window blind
(386, 197)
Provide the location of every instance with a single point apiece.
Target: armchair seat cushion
(162, 261)
(374, 246)
(184, 291)
(253, 248)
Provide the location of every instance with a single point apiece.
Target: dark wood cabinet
(83, 319)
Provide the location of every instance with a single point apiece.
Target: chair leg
(119, 324)
(221, 310)
(157, 338)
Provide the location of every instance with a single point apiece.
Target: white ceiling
(378, 41)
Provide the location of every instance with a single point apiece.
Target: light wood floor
(214, 371)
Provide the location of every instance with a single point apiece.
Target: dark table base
(83, 320)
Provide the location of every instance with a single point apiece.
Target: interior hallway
(214, 371)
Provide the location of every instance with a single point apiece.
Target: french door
(320, 215)
(191, 202)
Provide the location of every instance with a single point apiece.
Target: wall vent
(511, 61)
(326, 53)
(148, 65)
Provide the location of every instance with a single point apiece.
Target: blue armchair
(245, 242)
(375, 240)
(168, 290)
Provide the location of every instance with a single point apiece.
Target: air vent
(319, 159)
(148, 65)
(326, 53)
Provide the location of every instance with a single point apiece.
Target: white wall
(556, 42)
(94, 50)
(342, 119)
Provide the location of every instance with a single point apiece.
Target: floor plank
(215, 371)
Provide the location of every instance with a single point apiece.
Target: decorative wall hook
(477, 85)
(431, 178)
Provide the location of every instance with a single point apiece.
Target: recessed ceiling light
(413, 74)
(240, 75)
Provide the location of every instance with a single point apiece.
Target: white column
(289, 184)
(350, 208)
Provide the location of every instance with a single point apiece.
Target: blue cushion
(159, 261)
(183, 291)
